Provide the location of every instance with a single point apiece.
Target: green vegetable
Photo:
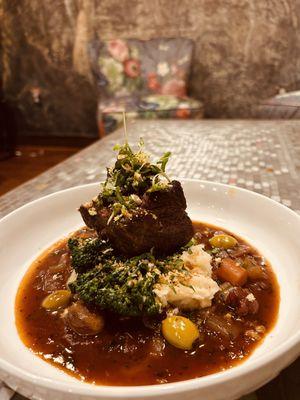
(121, 285)
(132, 174)
(88, 252)
(125, 288)
(163, 160)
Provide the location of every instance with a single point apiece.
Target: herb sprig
(132, 175)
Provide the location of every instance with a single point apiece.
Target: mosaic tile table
(263, 156)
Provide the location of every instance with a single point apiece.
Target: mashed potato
(197, 258)
(191, 287)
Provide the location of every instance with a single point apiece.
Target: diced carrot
(230, 271)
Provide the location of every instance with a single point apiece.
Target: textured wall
(245, 51)
(1, 48)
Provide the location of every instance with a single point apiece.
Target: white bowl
(272, 228)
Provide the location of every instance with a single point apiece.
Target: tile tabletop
(263, 156)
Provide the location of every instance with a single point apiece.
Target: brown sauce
(127, 352)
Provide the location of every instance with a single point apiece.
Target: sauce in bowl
(132, 351)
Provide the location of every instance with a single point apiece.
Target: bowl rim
(168, 388)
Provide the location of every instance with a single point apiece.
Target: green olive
(57, 299)
(180, 332)
(223, 241)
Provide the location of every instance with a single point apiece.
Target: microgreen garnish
(131, 177)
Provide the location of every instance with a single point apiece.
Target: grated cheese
(250, 297)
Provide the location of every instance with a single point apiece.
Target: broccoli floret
(118, 284)
(125, 288)
(86, 253)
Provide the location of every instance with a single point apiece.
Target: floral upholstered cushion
(149, 103)
(147, 106)
(133, 67)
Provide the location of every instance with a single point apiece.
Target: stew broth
(130, 351)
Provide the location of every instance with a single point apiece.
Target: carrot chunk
(230, 271)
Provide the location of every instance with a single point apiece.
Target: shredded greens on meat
(132, 175)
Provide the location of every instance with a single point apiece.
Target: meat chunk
(94, 217)
(242, 301)
(242, 250)
(159, 222)
(82, 320)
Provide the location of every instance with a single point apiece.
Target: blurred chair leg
(101, 128)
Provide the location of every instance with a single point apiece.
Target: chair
(282, 106)
(147, 79)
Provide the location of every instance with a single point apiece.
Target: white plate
(272, 228)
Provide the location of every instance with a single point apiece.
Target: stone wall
(245, 51)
